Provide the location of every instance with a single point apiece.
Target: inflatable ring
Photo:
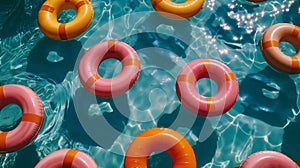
(271, 51)
(162, 139)
(32, 118)
(183, 10)
(207, 106)
(103, 87)
(268, 159)
(48, 13)
(67, 158)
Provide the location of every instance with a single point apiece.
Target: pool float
(67, 158)
(271, 51)
(268, 159)
(160, 139)
(218, 104)
(103, 87)
(183, 10)
(48, 14)
(32, 117)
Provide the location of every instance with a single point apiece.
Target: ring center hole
(109, 68)
(10, 117)
(66, 16)
(179, 1)
(287, 48)
(206, 87)
(159, 159)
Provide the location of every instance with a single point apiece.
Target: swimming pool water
(264, 116)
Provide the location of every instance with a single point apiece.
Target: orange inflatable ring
(271, 51)
(162, 139)
(67, 158)
(32, 118)
(47, 18)
(183, 10)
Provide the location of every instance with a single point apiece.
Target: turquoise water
(264, 116)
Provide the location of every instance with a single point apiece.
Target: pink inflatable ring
(32, 117)
(103, 87)
(207, 106)
(67, 158)
(271, 51)
(268, 159)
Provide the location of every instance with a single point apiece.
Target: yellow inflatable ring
(47, 18)
(183, 10)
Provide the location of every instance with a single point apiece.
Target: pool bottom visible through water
(10, 117)
(287, 48)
